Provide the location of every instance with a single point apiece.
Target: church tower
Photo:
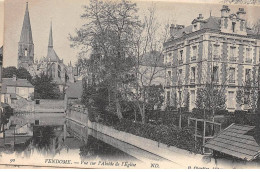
(25, 45)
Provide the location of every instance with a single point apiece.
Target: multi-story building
(220, 50)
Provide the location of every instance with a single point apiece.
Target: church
(50, 65)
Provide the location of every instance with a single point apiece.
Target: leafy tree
(44, 88)
(155, 97)
(21, 73)
(108, 33)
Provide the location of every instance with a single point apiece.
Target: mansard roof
(26, 34)
(212, 23)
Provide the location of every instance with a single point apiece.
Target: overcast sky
(65, 16)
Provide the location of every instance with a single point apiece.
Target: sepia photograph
(130, 84)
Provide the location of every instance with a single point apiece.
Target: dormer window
(195, 27)
(233, 26)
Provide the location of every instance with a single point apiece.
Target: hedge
(170, 135)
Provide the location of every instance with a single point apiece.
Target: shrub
(170, 135)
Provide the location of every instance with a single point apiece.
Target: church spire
(26, 34)
(50, 38)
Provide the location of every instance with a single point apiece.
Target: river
(55, 141)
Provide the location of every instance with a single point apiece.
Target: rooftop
(15, 83)
(237, 141)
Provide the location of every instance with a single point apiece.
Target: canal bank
(180, 158)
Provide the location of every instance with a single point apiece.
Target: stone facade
(51, 65)
(220, 50)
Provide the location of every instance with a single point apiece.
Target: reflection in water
(64, 142)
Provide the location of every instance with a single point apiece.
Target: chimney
(225, 11)
(200, 17)
(174, 28)
(241, 13)
(14, 77)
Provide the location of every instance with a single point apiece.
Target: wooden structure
(237, 141)
(204, 130)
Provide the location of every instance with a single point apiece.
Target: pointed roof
(26, 34)
(50, 37)
(51, 55)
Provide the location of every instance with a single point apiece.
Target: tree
(44, 88)
(155, 97)
(108, 33)
(148, 67)
(21, 73)
(247, 94)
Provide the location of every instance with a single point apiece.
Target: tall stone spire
(50, 38)
(51, 54)
(26, 34)
(25, 45)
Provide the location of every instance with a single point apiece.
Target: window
(248, 55)
(169, 74)
(192, 99)
(232, 53)
(247, 98)
(59, 71)
(168, 97)
(231, 75)
(233, 26)
(181, 57)
(180, 76)
(194, 53)
(195, 27)
(248, 76)
(216, 52)
(193, 74)
(215, 74)
(231, 100)
(25, 52)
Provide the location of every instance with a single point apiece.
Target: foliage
(155, 97)
(108, 32)
(21, 73)
(211, 98)
(248, 96)
(170, 135)
(6, 114)
(44, 88)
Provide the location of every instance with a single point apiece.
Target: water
(57, 141)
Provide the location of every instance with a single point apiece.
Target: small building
(237, 141)
(15, 88)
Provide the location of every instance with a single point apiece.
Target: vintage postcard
(130, 84)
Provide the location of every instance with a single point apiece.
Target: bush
(170, 135)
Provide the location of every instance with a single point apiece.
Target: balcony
(168, 64)
(216, 57)
(248, 60)
(192, 81)
(233, 59)
(193, 58)
(232, 81)
(180, 62)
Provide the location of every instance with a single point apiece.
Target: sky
(65, 17)
(1, 22)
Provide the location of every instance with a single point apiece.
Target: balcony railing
(232, 81)
(193, 58)
(168, 64)
(192, 81)
(248, 60)
(216, 57)
(233, 59)
(181, 61)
